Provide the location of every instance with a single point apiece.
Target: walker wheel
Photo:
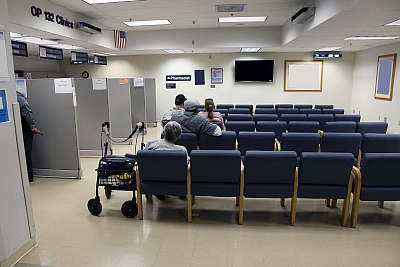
(107, 192)
(94, 206)
(129, 209)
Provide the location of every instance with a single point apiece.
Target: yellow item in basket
(126, 176)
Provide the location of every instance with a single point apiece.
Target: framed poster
(303, 75)
(216, 75)
(385, 77)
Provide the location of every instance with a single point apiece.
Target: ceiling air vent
(86, 27)
(231, 8)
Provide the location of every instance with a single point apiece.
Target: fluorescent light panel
(333, 48)
(242, 19)
(250, 49)
(104, 54)
(92, 2)
(371, 38)
(394, 23)
(175, 51)
(38, 41)
(147, 22)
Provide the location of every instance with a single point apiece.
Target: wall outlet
(354, 111)
(212, 86)
(384, 119)
(398, 123)
(379, 117)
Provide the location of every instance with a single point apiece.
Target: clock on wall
(85, 74)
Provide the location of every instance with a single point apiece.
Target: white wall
(336, 85)
(363, 100)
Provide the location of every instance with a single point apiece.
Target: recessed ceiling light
(147, 22)
(371, 38)
(394, 23)
(175, 51)
(65, 46)
(15, 35)
(329, 48)
(92, 2)
(105, 54)
(250, 49)
(242, 19)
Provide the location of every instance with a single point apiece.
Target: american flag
(119, 39)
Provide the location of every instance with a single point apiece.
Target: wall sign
(19, 49)
(179, 77)
(50, 53)
(51, 17)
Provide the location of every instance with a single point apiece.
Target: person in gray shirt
(191, 122)
(179, 100)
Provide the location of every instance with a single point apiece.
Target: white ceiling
(363, 18)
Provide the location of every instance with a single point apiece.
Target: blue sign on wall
(3, 106)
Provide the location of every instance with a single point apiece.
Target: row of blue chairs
(272, 106)
(269, 174)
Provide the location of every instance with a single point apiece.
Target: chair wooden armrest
(277, 145)
(356, 197)
(294, 198)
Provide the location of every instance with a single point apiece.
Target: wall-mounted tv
(254, 70)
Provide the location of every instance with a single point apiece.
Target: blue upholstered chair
(300, 142)
(225, 179)
(372, 127)
(302, 106)
(323, 106)
(293, 117)
(340, 126)
(303, 126)
(239, 117)
(240, 126)
(239, 111)
(160, 172)
(248, 106)
(264, 106)
(310, 111)
(283, 106)
(324, 175)
(281, 111)
(379, 143)
(265, 117)
(217, 123)
(332, 111)
(265, 111)
(225, 106)
(321, 118)
(377, 180)
(223, 112)
(347, 117)
(264, 141)
(278, 127)
(188, 140)
(269, 174)
(227, 140)
(342, 142)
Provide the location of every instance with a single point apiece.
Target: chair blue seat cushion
(374, 193)
(268, 190)
(322, 191)
(163, 188)
(215, 189)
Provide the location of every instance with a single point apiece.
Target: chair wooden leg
(139, 197)
(380, 204)
(346, 202)
(334, 203)
(356, 198)
(282, 202)
(149, 198)
(294, 199)
(193, 200)
(241, 197)
(328, 202)
(237, 201)
(189, 197)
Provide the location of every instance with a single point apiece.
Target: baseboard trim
(19, 254)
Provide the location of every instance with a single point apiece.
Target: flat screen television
(254, 70)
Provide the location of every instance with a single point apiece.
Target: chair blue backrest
(303, 126)
(321, 118)
(302, 106)
(217, 123)
(332, 111)
(265, 117)
(264, 106)
(380, 143)
(248, 106)
(300, 142)
(223, 112)
(372, 127)
(283, 106)
(240, 126)
(240, 111)
(215, 172)
(341, 142)
(265, 111)
(269, 174)
(188, 140)
(255, 141)
(340, 126)
(227, 140)
(281, 111)
(347, 117)
(323, 106)
(239, 117)
(293, 117)
(310, 111)
(278, 127)
(225, 106)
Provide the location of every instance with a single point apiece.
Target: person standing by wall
(28, 130)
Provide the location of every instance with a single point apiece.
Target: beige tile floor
(68, 235)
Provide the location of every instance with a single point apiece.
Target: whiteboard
(303, 75)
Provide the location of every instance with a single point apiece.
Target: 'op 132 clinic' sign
(51, 17)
